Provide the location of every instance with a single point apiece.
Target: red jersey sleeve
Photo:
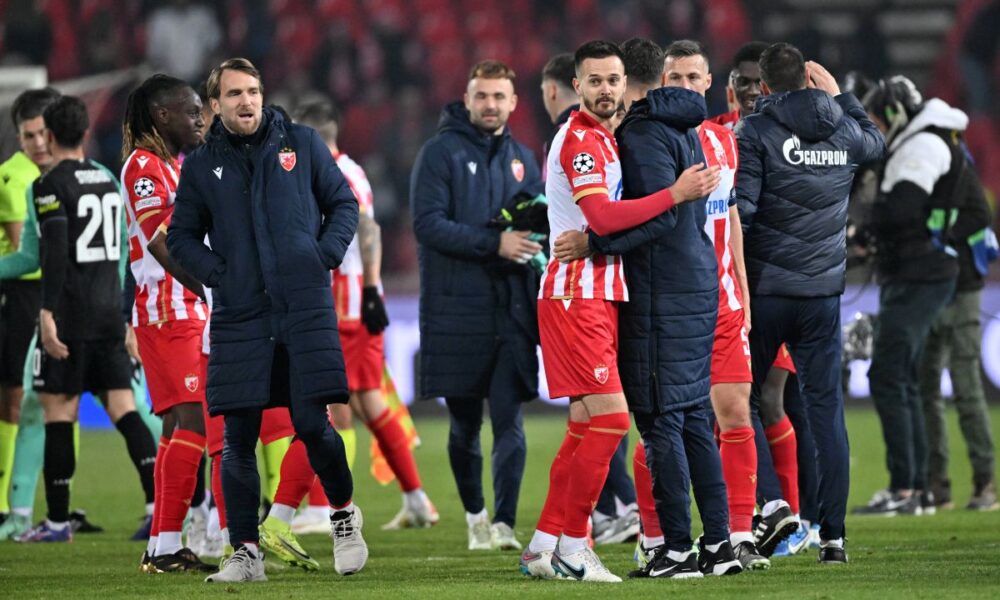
(584, 160)
(148, 189)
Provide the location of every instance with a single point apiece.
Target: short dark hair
(67, 119)
(214, 84)
(321, 115)
(643, 60)
(560, 69)
(31, 104)
(685, 48)
(596, 49)
(491, 69)
(782, 68)
(749, 52)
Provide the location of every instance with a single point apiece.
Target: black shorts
(19, 304)
(93, 366)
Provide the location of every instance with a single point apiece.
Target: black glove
(373, 313)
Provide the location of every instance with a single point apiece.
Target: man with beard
(279, 216)
(578, 312)
(478, 330)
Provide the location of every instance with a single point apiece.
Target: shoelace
(343, 527)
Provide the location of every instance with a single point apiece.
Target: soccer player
(21, 296)
(577, 312)
(361, 319)
(163, 117)
(743, 87)
(560, 101)
(80, 329)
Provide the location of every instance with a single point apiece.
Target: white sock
(151, 545)
(349, 507)
(200, 510)
(713, 547)
(738, 537)
(225, 536)
(772, 506)
(149, 509)
(254, 550)
(213, 522)
(570, 545)
(543, 542)
(678, 556)
(282, 512)
(415, 499)
(473, 518)
(56, 526)
(317, 510)
(23, 512)
(168, 543)
(837, 543)
(652, 542)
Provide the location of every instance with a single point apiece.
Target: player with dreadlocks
(162, 118)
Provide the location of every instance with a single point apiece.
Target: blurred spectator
(181, 37)
(27, 35)
(978, 58)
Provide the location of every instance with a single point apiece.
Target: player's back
(86, 195)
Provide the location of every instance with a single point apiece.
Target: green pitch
(955, 554)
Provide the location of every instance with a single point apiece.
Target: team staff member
(797, 154)
(279, 215)
(478, 328)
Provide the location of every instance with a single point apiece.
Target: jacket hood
(811, 114)
(677, 107)
(935, 113)
(455, 118)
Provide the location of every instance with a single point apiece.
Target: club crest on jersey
(517, 167)
(583, 163)
(601, 373)
(144, 187)
(191, 382)
(287, 158)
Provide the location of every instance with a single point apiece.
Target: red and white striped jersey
(150, 185)
(583, 160)
(348, 278)
(719, 146)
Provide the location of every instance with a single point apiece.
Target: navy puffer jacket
(797, 157)
(667, 327)
(471, 300)
(276, 228)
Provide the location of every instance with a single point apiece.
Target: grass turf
(955, 553)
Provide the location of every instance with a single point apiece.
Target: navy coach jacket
(667, 327)
(278, 220)
(798, 154)
(460, 181)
